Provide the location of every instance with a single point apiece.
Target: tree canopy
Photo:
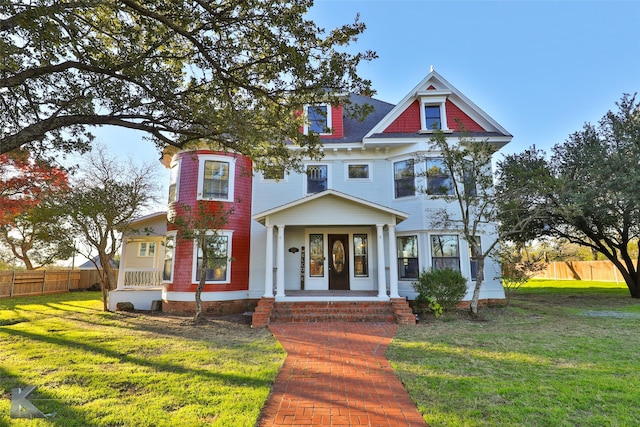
(587, 191)
(30, 225)
(231, 73)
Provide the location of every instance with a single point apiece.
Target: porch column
(280, 262)
(382, 280)
(123, 263)
(393, 265)
(268, 271)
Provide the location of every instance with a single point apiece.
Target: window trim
(400, 259)
(194, 266)
(285, 175)
(306, 177)
(364, 256)
(432, 98)
(426, 174)
(328, 119)
(147, 252)
(369, 166)
(202, 159)
(173, 236)
(175, 166)
(415, 187)
(434, 258)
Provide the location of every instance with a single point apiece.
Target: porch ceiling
(330, 207)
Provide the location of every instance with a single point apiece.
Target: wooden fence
(40, 282)
(581, 270)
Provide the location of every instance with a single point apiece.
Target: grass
(115, 369)
(561, 354)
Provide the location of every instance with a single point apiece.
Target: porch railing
(142, 278)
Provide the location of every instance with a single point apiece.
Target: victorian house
(349, 234)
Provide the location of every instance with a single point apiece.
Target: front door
(338, 261)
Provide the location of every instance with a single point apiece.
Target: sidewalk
(336, 374)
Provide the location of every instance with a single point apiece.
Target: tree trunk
(476, 290)
(199, 317)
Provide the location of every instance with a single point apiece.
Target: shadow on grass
(126, 358)
(57, 412)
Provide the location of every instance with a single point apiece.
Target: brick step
(361, 311)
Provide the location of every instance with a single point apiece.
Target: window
(360, 255)
(147, 249)
(318, 119)
(432, 117)
(216, 177)
(408, 257)
(316, 178)
(173, 182)
(218, 250)
(473, 260)
(445, 252)
(216, 180)
(433, 111)
(316, 255)
(167, 269)
(404, 178)
(358, 171)
(439, 180)
(469, 179)
(273, 173)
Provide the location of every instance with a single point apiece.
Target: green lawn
(562, 354)
(114, 369)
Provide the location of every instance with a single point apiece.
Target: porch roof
(330, 207)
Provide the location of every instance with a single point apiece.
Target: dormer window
(432, 117)
(433, 114)
(318, 119)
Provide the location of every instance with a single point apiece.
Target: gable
(330, 207)
(409, 118)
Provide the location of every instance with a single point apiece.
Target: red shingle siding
(408, 121)
(239, 223)
(337, 124)
(454, 113)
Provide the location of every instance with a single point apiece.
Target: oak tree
(587, 189)
(231, 73)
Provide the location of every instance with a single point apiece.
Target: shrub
(440, 289)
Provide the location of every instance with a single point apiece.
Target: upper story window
(404, 178)
(439, 181)
(469, 179)
(432, 117)
(445, 252)
(408, 267)
(173, 182)
(359, 171)
(273, 173)
(317, 178)
(215, 178)
(433, 114)
(318, 119)
(147, 249)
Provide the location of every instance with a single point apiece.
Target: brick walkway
(336, 374)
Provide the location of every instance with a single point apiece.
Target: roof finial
(431, 70)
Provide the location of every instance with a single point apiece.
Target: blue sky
(541, 69)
